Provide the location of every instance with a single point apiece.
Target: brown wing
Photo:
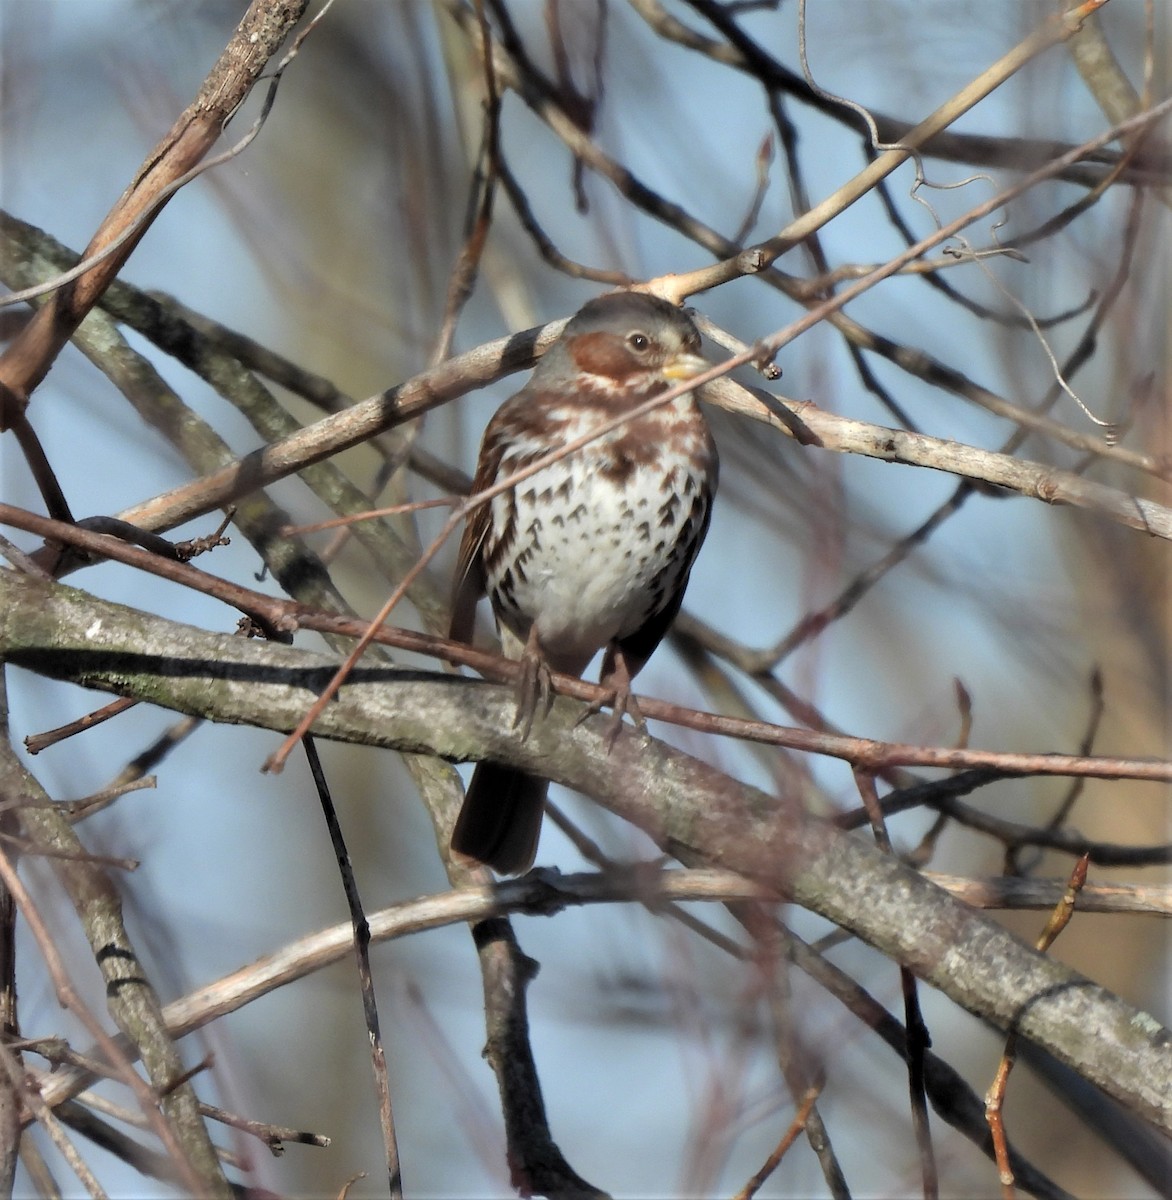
(470, 580)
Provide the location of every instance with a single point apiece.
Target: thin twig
(69, 999)
(778, 1152)
(918, 1038)
(995, 1099)
(47, 1119)
(36, 742)
(361, 930)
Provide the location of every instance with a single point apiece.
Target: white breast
(592, 561)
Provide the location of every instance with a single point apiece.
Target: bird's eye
(639, 342)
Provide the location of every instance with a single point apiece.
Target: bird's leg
(616, 678)
(533, 685)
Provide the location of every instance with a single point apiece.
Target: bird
(592, 552)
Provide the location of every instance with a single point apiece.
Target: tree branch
(694, 812)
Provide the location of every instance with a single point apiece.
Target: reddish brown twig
(787, 1140)
(995, 1097)
(863, 752)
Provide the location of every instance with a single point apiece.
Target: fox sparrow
(594, 550)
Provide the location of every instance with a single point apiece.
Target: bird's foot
(616, 678)
(534, 685)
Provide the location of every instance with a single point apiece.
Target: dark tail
(501, 818)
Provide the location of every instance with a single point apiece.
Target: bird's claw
(534, 687)
(618, 697)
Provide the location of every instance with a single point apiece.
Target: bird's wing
(470, 579)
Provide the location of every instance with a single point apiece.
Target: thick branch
(693, 810)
